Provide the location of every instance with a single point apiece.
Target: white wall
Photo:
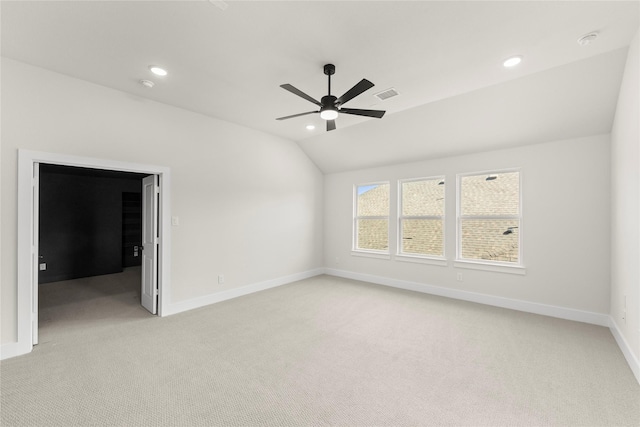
(566, 219)
(625, 212)
(250, 204)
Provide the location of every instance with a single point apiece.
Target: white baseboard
(179, 307)
(513, 304)
(632, 360)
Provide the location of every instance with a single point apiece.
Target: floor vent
(386, 94)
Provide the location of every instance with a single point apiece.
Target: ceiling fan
(330, 106)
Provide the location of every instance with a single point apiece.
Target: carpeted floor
(323, 351)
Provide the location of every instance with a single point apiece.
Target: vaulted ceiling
(227, 60)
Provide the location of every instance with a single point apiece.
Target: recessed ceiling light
(310, 127)
(147, 83)
(513, 61)
(157, 70)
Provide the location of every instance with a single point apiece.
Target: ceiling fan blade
(362, 86)
(296, 115)
(331, 125)
(369, 113)
(300, 93)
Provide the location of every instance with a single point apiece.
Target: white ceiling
(445, 59)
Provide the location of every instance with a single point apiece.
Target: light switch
(175, 221)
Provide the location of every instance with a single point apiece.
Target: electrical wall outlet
(220, 279)
(43, 266)
(459, 277)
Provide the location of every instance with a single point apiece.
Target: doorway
(28, 245)
(90, 225)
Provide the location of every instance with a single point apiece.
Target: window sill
(378, 255)
(422, 260)
(498, 268)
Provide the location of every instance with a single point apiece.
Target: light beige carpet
(323, 351)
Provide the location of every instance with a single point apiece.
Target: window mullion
(422, 217)
(480, 217)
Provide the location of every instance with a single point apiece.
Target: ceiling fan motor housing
(328, 101)
(329, 110)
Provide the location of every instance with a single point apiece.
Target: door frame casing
(28, 242)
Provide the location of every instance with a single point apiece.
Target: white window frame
(477, 264)
(413, 257)
(369, 252)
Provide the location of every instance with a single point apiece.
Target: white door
(149, 290)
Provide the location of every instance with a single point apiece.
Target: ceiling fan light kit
(330, 106)
(328, 113)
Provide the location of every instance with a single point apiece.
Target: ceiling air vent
(386, 94)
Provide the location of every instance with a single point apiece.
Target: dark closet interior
(90, 222)
(131, 228)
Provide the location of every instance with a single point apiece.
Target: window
(489, 218)
(421, 218)
(371, 221)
